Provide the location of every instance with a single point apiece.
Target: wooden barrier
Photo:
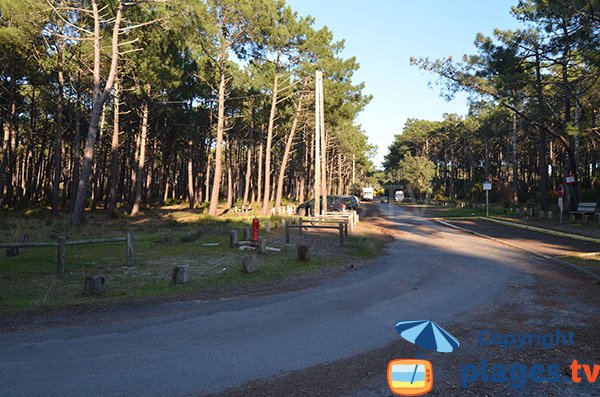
(242, 210)
(283, 210)
(302, 225)
(62, 243)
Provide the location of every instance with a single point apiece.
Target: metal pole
(560, 211)
(323, 148)
(487, 203)
(317, 188)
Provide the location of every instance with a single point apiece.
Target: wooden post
(93, 285)
(62, 254)
(249, 264)
(233, 238)
(262, 244)
(267, 227)
(287, 234)
(341, 233)
(129, 237)
(346, 228)
(303, 252)
(300, 228)
(180, 274)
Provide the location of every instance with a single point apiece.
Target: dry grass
(164, 237)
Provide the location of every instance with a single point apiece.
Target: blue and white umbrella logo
(427, 335)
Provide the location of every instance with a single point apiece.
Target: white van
(399, 196)
(368, 193)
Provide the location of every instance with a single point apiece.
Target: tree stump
(262, 245)
(181, 274)
(249, 264)
(94, 285)
(267, 227)
(247, 233)
(233, 238)
(303, 252)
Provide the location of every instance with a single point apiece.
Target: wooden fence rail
(62, 244)
(341, 226)
(28, 245)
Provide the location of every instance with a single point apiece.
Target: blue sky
(384, 34)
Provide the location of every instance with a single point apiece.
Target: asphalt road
(194, 348)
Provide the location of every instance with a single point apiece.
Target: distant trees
(181, 101)
(418, 172)
(536, 119)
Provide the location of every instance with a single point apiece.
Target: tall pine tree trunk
(214, 197)
(248, 174)
(76, 149)
(9, 145)
(543, 156)
(230, 191)
(286, 154)
(340, 187)
(99, 98)
(259, 183)
(139, 178)
(515, 166)
(267, 192)
(114, 153)
(59, 123)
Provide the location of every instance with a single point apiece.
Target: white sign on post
(560, 209)
(487, 187)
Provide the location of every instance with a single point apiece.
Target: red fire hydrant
(255, 227)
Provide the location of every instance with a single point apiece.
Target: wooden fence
(62, 244)
(342, 226)
(283, 210)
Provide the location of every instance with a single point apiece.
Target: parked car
(384, 199)
(351, 202)
(334, 203)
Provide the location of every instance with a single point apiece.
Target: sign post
(487, 187)
(560, 192)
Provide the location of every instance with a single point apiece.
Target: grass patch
(29, 282)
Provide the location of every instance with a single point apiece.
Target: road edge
(538, 254)
(541, 230)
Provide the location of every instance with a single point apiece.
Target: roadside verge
(522, 246)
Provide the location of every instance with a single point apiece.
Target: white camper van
(367, 193)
